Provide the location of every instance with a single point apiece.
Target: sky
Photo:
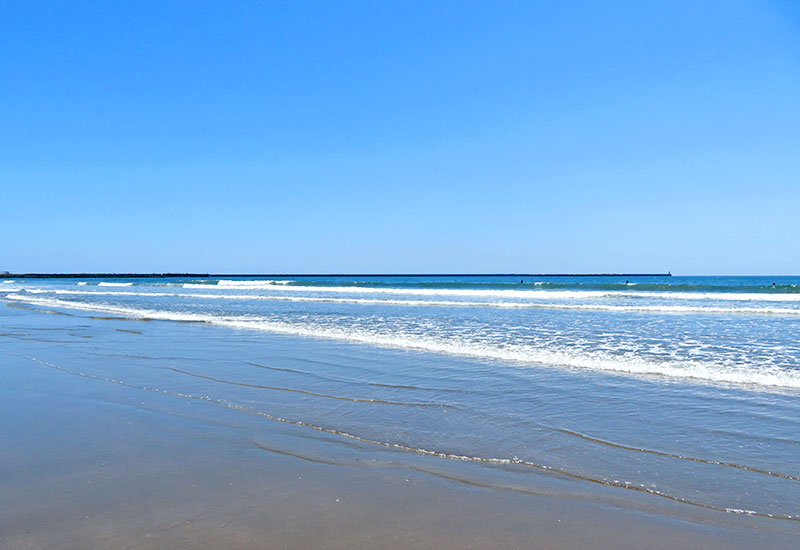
(400, 137)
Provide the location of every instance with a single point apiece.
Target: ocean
(674, 396)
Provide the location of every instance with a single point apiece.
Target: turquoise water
(708, 329)
(682, 389)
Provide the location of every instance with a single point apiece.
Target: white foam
(81, 283)
(662, 308)
(284, 286)
(114, 284)
(251, 284)
(527, 354)
(8, 281)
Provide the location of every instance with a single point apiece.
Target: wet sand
(89, 463)
(95, 469)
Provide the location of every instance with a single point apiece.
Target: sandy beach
(101, 454)
(399, 275)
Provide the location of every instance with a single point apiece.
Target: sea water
(682, 390)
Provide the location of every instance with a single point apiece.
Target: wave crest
(754, 375)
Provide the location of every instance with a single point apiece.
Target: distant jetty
(99, 275)
(5, 275)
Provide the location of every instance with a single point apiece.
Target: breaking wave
(645, 308)
(289, 286)
(708, 371)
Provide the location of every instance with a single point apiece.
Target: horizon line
(5, 275)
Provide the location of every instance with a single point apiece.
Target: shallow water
(675, 395)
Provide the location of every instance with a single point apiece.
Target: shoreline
(155, 472)
(127, 431)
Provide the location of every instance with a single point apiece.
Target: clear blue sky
(400, 136)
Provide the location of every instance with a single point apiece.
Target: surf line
(788, 379)
(655, 309)
(407, 448)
